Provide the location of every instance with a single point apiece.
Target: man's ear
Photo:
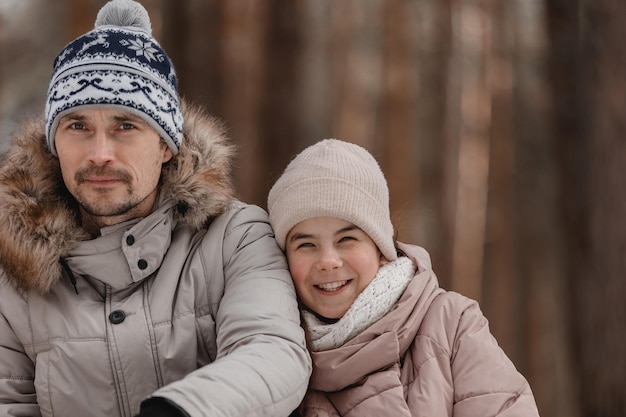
(167, 153)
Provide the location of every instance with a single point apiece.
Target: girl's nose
(329, 259)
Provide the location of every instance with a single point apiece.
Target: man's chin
(106, 209)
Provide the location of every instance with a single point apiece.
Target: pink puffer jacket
(433, 355)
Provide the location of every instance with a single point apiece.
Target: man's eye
(77, 126)
(127, 126)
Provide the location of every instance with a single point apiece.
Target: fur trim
(40, 218)
(198, 178)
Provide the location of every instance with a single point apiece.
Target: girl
(384, 338)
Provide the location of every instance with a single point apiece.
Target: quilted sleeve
(17, 371)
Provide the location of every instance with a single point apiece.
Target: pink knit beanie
(333, 178)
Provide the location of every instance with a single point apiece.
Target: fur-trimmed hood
(40, 220)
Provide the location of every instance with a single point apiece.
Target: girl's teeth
(332, 286)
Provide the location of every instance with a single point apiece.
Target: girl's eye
(346, 238)
(305, 245)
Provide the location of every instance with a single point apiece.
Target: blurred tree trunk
(189, 30)
(313, 91)
(358, 71)
(590, 83)
(542, 344)
(82, 18)
(279, 114)
(243, 67)
(432, 55)
(467, 155)
(398, 109)
(566, 81)
(500, 285)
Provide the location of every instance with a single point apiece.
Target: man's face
(111, 162)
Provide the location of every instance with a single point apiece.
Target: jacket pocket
(207, 342)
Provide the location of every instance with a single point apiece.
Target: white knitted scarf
(376, 300)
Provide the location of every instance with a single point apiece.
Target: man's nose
(101, 151)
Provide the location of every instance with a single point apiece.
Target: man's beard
(109, 209)
(106, 208)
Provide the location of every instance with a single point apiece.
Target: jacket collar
(112, 260)
(40, 218)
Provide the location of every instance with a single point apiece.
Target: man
(131, 280)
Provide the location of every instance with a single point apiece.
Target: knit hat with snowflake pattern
(117, 64)
(333, 178)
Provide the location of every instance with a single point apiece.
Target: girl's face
(331, 262)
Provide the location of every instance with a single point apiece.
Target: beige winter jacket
(194, 303)
(431, 356)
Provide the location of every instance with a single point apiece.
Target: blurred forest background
(499, 124)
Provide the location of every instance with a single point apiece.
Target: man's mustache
(118, 174)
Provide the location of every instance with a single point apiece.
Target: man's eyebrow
(74, 116)
(123, 117)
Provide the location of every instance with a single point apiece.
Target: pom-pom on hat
(117, 64)
(333, 178)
